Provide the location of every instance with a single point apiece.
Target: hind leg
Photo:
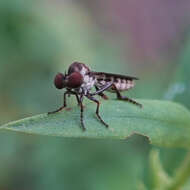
(101, 94)
(125, 98)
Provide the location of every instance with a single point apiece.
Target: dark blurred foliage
(148, 39)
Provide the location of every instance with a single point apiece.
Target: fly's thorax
(78, 67)
(88, 84)
(89, 81)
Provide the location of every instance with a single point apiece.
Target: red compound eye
(75, 80)
(58, 81)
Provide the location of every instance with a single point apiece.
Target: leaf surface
(164, 123)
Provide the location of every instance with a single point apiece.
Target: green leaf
(163, 123)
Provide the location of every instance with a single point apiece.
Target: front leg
(64, 103)
(81, 112)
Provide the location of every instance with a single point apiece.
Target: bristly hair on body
(80, 80)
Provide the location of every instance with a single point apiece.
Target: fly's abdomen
(119, 83)
(122, 84)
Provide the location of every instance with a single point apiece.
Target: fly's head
(74, 80)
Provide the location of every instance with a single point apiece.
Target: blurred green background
(147, 39)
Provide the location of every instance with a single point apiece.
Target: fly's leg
(125, 98)
(97, 109)
(64, 101)
(64, 104)
(77, 97)
(102, 94)
(101, 90)
(81, 112)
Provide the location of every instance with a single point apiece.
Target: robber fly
(80, 80)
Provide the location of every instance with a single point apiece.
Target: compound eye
(58, 81)
(75, 80)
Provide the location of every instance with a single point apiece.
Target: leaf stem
(159, 177)
(182, 174)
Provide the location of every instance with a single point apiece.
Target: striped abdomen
(121, 82)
